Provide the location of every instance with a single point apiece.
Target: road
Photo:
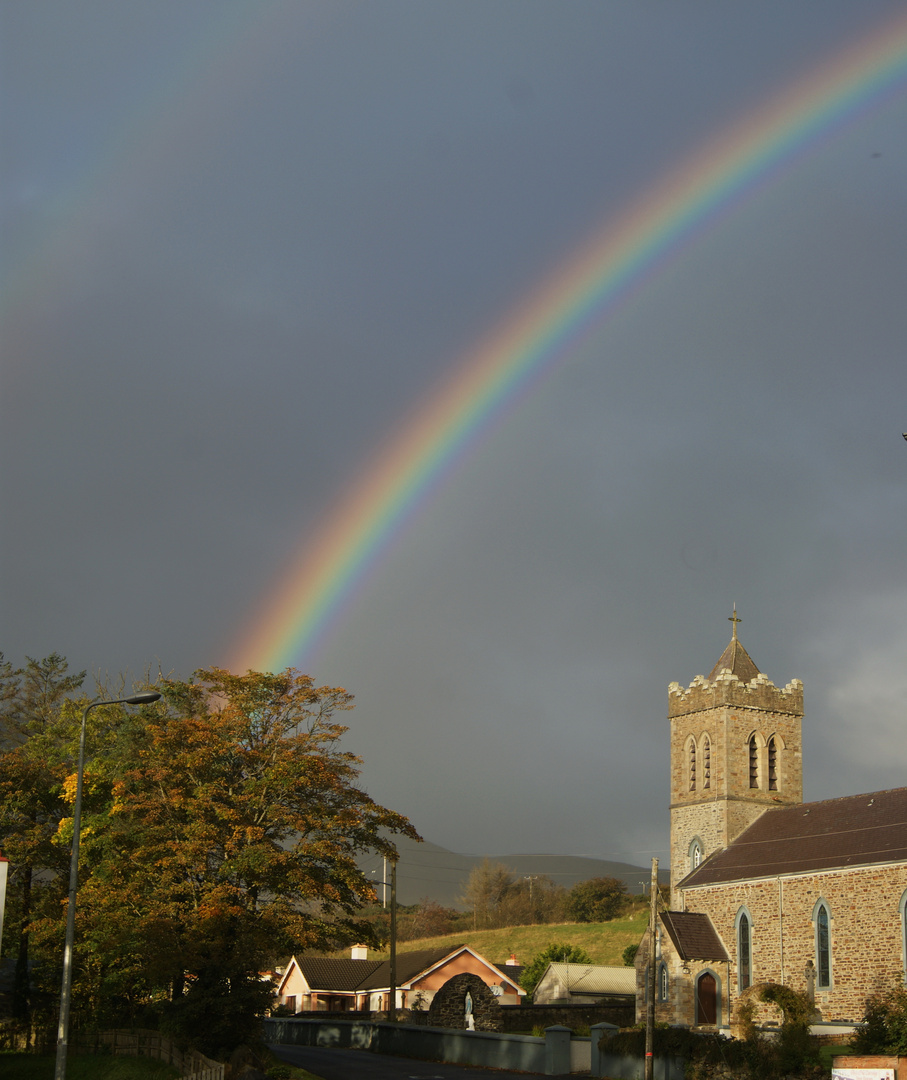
(335, 1064)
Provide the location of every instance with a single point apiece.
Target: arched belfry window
(744, 949)
(754, 762)
(773, 764)
(822, 923)
(706, 762)
(691, 754)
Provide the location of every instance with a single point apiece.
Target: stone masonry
(712, 722)
(448, 1007)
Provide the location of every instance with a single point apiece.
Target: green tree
(884, 1028)
(555, 952)
(596, 900)
(222, 829)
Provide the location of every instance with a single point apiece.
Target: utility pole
(652, 975)
(392, 1003)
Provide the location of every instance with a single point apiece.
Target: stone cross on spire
(733, 619)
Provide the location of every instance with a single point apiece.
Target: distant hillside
(604, 942)
(428, 870)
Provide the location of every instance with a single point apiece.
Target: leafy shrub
(629, 955)
(794, 1052)
(554, 953)
(885, 1024)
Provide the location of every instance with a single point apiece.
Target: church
(764, 887)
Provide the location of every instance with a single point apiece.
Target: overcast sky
(243, 241)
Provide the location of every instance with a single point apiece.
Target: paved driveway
(333, 1064)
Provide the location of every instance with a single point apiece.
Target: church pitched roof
(693, 935)
(857, 830)
(736, 660)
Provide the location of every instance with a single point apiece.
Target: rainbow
(547, 328)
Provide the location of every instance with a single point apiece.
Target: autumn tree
(33, 752)
(486, 892)
(427, 919)
(223, 828)
(596, 900)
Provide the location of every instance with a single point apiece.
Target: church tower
(736, 751)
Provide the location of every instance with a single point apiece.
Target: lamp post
(144, 698)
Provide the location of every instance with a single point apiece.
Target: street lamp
(145, 698)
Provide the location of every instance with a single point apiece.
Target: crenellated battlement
(726, 689)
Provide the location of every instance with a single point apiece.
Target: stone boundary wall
(550, 1055)
(526, 1017)
(514, 1019)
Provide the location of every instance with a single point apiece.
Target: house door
(706, 999)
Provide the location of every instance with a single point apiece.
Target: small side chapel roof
(693, 935)
(735, 659)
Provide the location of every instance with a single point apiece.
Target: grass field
(604, 942)
(84, 1067)
(104, 1067)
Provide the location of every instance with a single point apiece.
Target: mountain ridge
(429, 871)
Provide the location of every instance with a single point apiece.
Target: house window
(706, 762)
(744, 950)
(692, 754)
(754, 762)
(823, 946)
(773, 764)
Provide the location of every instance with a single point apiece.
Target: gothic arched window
(706, 762)
(695, 853)
(691, 753)
(754, 762)
(744, 950)
(903, 912)
(773, 764)
(822, 921)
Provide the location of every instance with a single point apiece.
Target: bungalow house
(329, 984)
(585, 984)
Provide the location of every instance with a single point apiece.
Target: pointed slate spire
(735, 658)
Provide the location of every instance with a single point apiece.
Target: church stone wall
(866, 929)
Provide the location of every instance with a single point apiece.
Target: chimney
(359, 952)
(512, 962)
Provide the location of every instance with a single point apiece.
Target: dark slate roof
(331, 973)
(409, 965)
(857, 830)
(694, 936)
(736, 660)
